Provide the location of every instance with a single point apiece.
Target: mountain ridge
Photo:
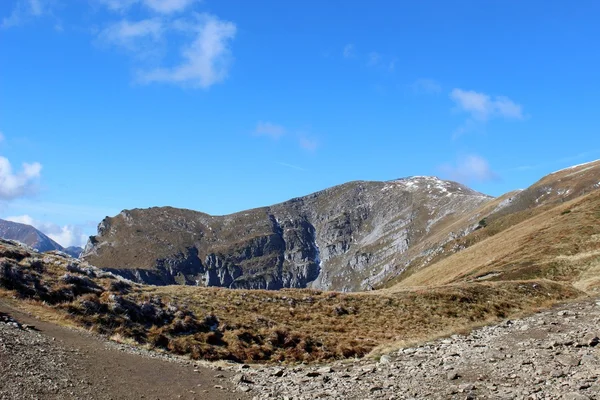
(34, 238)
(355, 236)
(359, 224)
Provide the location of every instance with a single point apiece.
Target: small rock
(452, 376)
(325, 370)
(385, 359)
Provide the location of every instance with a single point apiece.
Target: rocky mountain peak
(348, 237)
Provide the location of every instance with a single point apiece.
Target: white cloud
(21, 219)
(269, 129)
(133, 35)
(23, 11)
(168, 6)
(426, 86)
(349, 51)
(13, 185)
(472, 168)
(483, 107)
(118, 5)
(159, 6)
(66, 235)
(205, 61)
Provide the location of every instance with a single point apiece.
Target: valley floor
(41, 360)
(550, 355)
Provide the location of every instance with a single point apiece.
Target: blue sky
(220, 106)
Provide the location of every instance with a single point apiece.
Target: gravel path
(554, 354)
(46, 361)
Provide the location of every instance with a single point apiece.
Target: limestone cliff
(349, 237)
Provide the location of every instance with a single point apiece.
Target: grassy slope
(561, 243)
(519, 206)
(252, 326)
(524, 259)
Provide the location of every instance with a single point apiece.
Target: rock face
(28, 235)
(349, 237)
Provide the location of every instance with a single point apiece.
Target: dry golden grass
(262, 326)
(518, 264)
(559, 244)
(305, 325)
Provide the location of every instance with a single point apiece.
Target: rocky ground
(551, 355)
(39, 360)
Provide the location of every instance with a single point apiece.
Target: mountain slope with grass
(350, 237)
(504, 213)
(508, 264)
(550, 230)
(292, 325)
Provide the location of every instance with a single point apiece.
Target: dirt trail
(52, 361)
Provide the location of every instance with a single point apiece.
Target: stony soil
(40, 360)
(551, 355)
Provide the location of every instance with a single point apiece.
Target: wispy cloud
(471, 168)
(349, 51)
(381, 62)
(302, 138)
(373, 59)
(1, 137)
(483, 107)
(23, 11)
(309, 144)
(65, 235)
(18, 184)
(269, 129)
(158, 6)
(205, 61)
(292, 166)
(138, 37)
(426, 86)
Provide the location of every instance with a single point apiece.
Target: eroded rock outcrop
(349, 237)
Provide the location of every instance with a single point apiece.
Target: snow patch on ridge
(576, 166)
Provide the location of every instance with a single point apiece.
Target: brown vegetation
(257, 326)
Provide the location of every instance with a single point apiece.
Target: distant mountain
(349, 237)
(28, 235)
(73, 251)
(34, 238)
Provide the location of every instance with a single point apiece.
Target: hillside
(548, 230)
(292, 325)
(34, 238)
(561, 244)
(509, 264)
(350, 237)
(28, 235)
